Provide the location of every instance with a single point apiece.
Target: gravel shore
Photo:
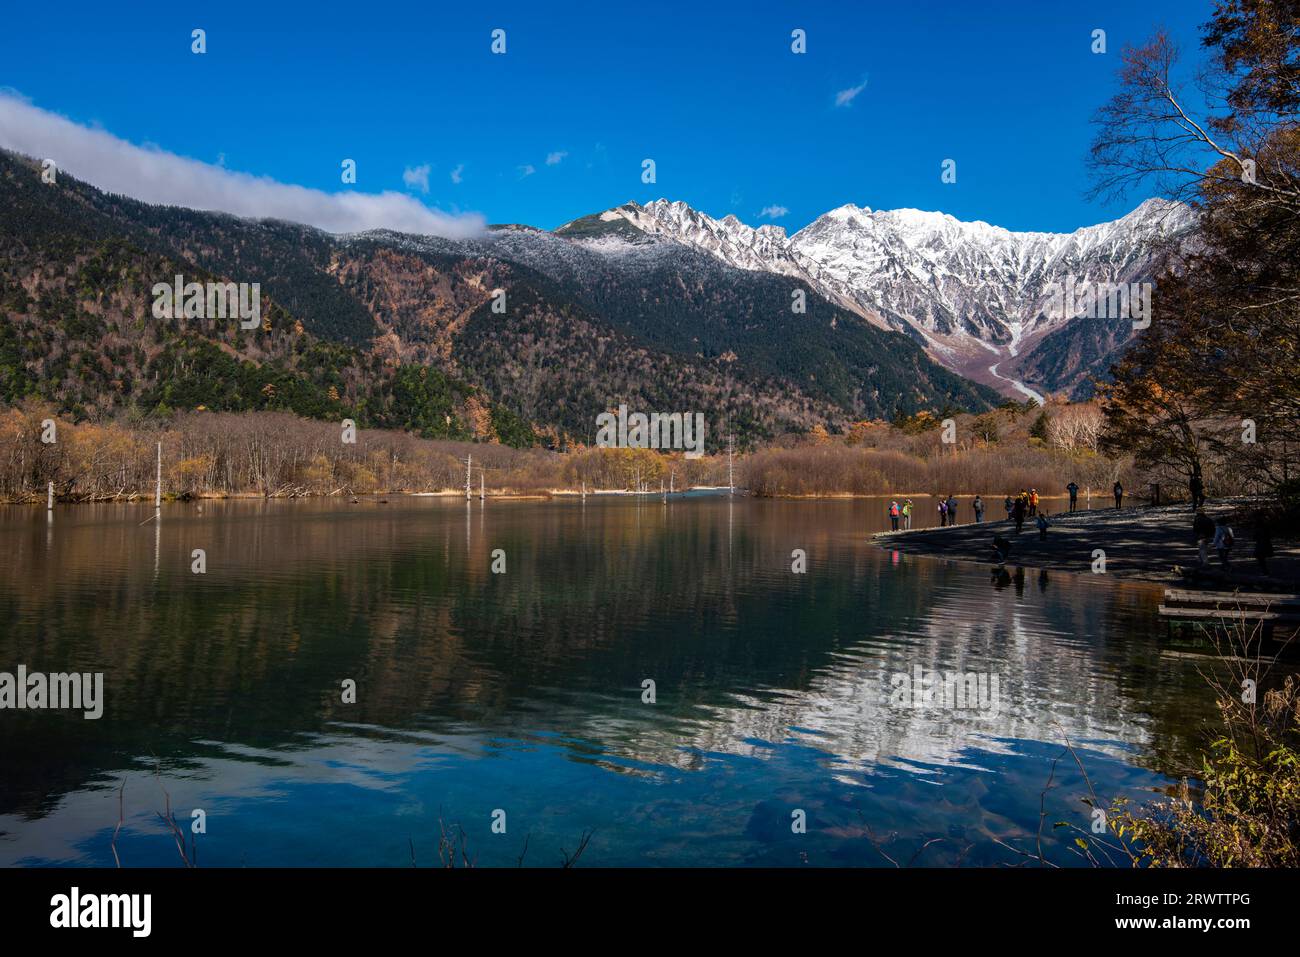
(1142, 542)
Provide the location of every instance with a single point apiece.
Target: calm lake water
(522, 691)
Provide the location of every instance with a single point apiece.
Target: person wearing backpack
(943, 512)
(978, 505)
(1223, 541)
(1119, 494)
(1073, 489)
(952, 510)
(893, 514)
(1203, 530)
(907, 515)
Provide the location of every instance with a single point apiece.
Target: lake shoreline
(137, 498)
(146, 498)
(1141, 543)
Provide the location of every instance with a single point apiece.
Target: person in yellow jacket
(907, 515)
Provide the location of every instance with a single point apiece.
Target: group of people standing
(1019, 507)
(901, 513)
(1208, 533)
(948, 510)
(1026, 505)
(1217, 534)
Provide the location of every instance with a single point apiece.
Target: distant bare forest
(283, 455)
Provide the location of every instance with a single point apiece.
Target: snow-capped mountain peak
(762, 249)
(964, 289)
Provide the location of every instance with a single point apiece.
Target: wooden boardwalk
(1232, 621)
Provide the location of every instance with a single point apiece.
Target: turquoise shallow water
(480, 693)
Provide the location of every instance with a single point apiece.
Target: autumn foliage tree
(1212, 384)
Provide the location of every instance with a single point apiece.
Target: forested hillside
(399, 332)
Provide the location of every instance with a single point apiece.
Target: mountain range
(525, 335)
(975, 296)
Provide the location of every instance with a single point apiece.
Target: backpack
(893, 509)
(1227, 538)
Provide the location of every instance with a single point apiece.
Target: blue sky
(735, 122)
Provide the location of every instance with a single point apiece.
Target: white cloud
(526, 170)
(846, 97)
(417, 177)
(554, 159)
(153, 175)
(773, 212)
(457, 173)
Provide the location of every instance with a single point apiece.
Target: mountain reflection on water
(523, 692)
